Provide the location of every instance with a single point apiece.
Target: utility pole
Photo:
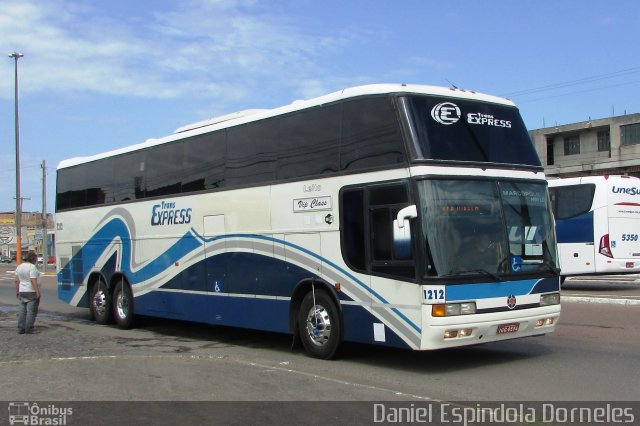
(18, 218)
(45, 246)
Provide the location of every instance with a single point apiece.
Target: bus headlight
(544, 322)
(550, 299)
(452, 334)
(467, 308)
(453, 309)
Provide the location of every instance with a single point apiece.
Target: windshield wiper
(473, 271)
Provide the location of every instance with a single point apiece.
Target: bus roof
(592, 179)
(246, 116)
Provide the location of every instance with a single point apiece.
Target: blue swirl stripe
(116, 229)
(321, 259)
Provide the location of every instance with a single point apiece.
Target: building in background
(32, 233)
(605, 146)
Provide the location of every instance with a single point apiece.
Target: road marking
(264, 367)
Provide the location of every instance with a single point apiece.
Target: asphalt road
(592, 356)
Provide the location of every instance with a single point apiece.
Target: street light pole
(18, 218)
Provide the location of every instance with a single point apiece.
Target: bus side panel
(624, 241)
(624, 237)
(576, 247)
(624, 232)
(259, 298)
(577, 258)
(235, 311)
(360, 325)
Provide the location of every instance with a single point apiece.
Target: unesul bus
(598, 224)
(401, 215)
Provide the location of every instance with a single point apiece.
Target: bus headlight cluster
(452, 334)
(550, 299)
(544, 322)
(453, 309)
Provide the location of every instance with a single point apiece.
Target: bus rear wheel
(100, 302)
(319, 325)
(123, 305)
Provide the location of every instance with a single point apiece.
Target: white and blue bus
(399, 215)
(597, 224)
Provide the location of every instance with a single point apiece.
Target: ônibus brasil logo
(446, 113)
(31, 413)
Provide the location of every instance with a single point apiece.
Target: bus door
(391, 259)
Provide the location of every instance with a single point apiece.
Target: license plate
(508, 328)
(629, 265)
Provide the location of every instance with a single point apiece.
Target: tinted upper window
(251, 153)
(99, 183)
(63, 190)
(370, 134)
(463, 130)
(128, 177)
(343, 137)
(308, 142)
(163, 167)
(204, 162)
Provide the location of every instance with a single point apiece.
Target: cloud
(203, 49)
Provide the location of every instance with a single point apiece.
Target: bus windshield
(489, 228)
(467, 131)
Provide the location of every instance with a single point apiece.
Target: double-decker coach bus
(399, 215)
(598, 224)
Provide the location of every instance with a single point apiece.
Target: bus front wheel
(123, 305)
(319, 325)
(100, 302)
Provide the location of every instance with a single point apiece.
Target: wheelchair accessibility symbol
(516, 264)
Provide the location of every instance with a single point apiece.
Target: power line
(579, 91)
(576, 82)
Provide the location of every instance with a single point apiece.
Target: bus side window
(385, 201)
(353, 242)
(571, 201)
(367, 230)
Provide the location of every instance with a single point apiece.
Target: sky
(100, 75)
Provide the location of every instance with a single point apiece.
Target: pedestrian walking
(27, 292)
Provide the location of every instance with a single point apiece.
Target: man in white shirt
(27, 292)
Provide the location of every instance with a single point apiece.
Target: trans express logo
(449, 113)
(166, 213)
(446, 113)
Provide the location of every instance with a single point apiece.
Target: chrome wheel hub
(318, 325)
(122, 305)
(100, 302)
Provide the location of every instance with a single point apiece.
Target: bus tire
(319, 326)
(100, 302)
(123, 305)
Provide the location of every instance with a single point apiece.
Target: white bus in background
(397, 215)
(597, 224)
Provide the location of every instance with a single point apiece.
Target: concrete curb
(620, 279)
(602, 300)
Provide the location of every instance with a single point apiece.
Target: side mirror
(409, 212)
(402, 232)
